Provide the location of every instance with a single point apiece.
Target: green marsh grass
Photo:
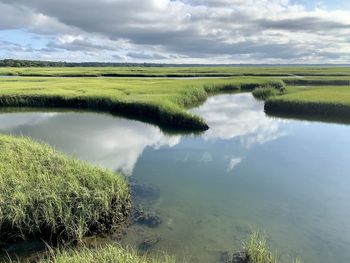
(319, 81)
(46, 195)
(256, 250)
(327, 101)
(162, 101)
(106, 254)
(264, 93)
(178, 71)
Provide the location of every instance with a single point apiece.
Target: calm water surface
(288, 178)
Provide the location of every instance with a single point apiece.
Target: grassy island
(46, 195)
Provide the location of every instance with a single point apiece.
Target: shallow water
(285, 177)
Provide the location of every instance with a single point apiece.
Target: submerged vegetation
(162, 101)
(44, 194)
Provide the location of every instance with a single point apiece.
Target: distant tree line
(29, 63)
(37, 63)
(18, 63)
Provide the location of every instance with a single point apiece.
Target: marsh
(248, 171)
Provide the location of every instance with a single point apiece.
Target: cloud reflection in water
(239, 116)
(112, 142)
(118, 143)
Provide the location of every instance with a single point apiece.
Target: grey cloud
(214, 3)
(117, 57)
(302, 24)
(334, 55)
(80, 45)
(184, 43)
(142, 55)
(15, 47)
(13, 17)
(187, 28)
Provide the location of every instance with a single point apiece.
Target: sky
(177, 31)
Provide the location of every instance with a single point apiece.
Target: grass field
(46, 195)
(164, 101)
(179, 71)
(161, 101)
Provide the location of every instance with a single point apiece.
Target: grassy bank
(44, 194)
(161, 101)
(328, 101)
(179, 71)
(107, 254)
(255, 250)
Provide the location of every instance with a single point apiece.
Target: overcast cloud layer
(187, 31)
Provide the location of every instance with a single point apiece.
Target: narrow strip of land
(318, 71)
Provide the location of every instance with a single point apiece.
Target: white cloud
(198, 31)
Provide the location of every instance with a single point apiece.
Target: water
(249, 171)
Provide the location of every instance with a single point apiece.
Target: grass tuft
(106, 254)
(44, 194)
(267, 92)
(257, 251)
